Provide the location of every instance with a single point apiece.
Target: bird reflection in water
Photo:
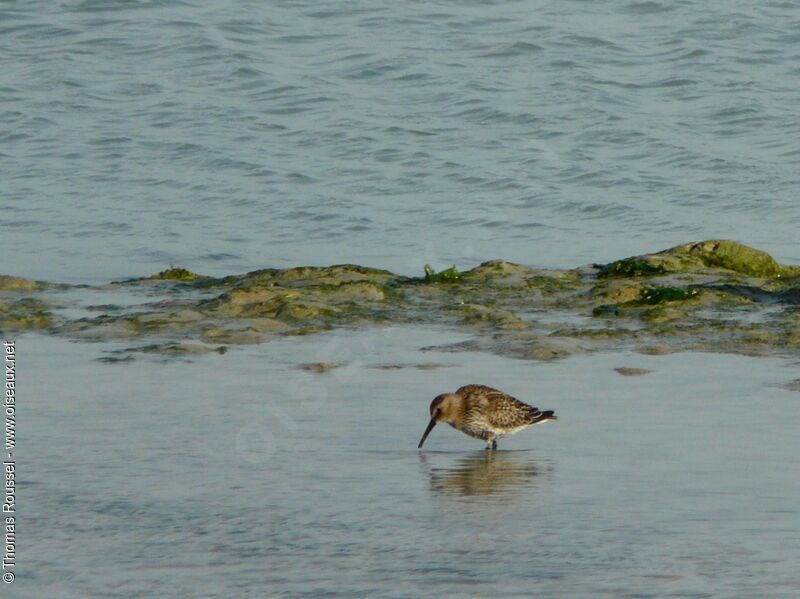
(500, 474)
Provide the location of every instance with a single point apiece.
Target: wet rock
(268, 325)
(101, 328)
(500, 274)
(250, 300)
(116, 359)
(170, 349)
(630, 371)
(299, 295)
(25, 314)
(608, 311)
(320, 367)
(495, 317)
(705, 296)
(313, 276)
(179, 349)
(630, 267)
(650, 303)
(232, 336)
(655, 350)
(297, 311)
(546, 353)
(526, 345)
(177, 274)
(173, 274)
(9, 283)
(734, 256)
(661, 295)
(792, 385)
(616, 292)
(698, 257)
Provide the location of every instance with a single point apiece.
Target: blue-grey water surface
(232, 135)
(242, 476)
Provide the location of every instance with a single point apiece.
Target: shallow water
(235, 135)
(241, 475)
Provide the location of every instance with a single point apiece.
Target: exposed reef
(704, 296)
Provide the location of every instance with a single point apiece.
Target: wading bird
(484, 413)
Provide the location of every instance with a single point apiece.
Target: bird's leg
(491, 444)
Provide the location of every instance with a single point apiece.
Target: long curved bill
(427, 432)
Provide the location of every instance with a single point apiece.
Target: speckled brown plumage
(484, 413)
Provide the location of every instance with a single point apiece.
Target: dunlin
(484, 413)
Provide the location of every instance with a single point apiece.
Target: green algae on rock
(489, 315)
(176, 273)
(710, 295)
(737, 257)
(629, 267)
(449, 275)
(25, 314)
(660, 294)
(9, 283)
(303, 295)
(632, 371)
(700, 256)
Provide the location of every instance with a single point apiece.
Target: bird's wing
(507, 411)
(476, 390)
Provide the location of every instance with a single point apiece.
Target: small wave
(648, 8)
(515, 49)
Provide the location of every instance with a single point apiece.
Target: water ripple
(441, 123)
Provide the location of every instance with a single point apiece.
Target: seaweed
(449, 275)
(629, 267)
(662, 294)
(177, 273)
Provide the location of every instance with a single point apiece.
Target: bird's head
(444, 408)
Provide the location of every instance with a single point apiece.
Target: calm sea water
(232, 135)
(242, 476)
